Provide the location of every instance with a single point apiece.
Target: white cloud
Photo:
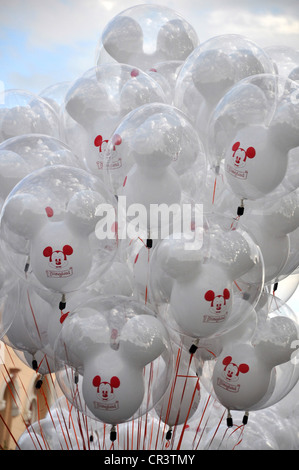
(264, 28)
(51, 23)
(54, 25)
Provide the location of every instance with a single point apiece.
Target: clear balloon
(54, 95)
(257, 366)
(253, 129)
(146, 34)
(123, 352)
(182, 397)
(211, 70)
(285, 58)
(49, 229)
(216, 280)
(270, 224)
(23, 112)
(96, 103)
(163, 168)
(23, 154)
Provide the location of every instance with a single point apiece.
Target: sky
(45, 42)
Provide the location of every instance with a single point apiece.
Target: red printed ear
(67, 250)
(48, 252)
(236, 146)
(49, 211)
(243, 368)
(115, 382)
(210, 296)
(226, 294)
(134, 73)
(227, 360)
(96, 382)
(98, 141)
(250, 152)
(116, 140)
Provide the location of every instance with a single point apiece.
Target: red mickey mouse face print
(217, 302)
(105, 390)
(240, 155)
(232, 371)
(58, 258)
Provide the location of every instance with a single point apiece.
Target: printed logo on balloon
(231, 373)
(108, 157)
(240, 156)
(218, 306)
(105, 393)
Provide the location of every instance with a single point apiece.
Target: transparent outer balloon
(253, 130)
(204, 287)
(270, 224)
(268, 346)
(8, 288)
(161, 150)
(23, 154)
(23, 112)
(146, 34)
(211, 70)
(49, 229)
(54, 94)
(292, 262)
(285, 58)
(166, 73)
(120, 352)
(286, 287)
(274, 224)
(96, 103)
(181, 400)
(27, 334)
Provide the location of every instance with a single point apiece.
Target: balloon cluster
(150, 209)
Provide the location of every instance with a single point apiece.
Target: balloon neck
(240, 210)
(169, 434)
(193, 348)
(229, 419)
(245, 418)
(149, 243)
(113, 434)
(62, 303)
(39, 383)
(27, 264)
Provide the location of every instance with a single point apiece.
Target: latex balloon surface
(212, 283)
(253, 129)
(48, 228)
(211, 70)
(118, 339)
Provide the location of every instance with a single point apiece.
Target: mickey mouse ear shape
(23, 215)
(85, 99)
(179, 257)
(213, 74)
(123, 39)
(82, 209)
(143, 339)
(12, 169)
(176, 40)
(275, 344)
(84, 330)
(157, 140)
